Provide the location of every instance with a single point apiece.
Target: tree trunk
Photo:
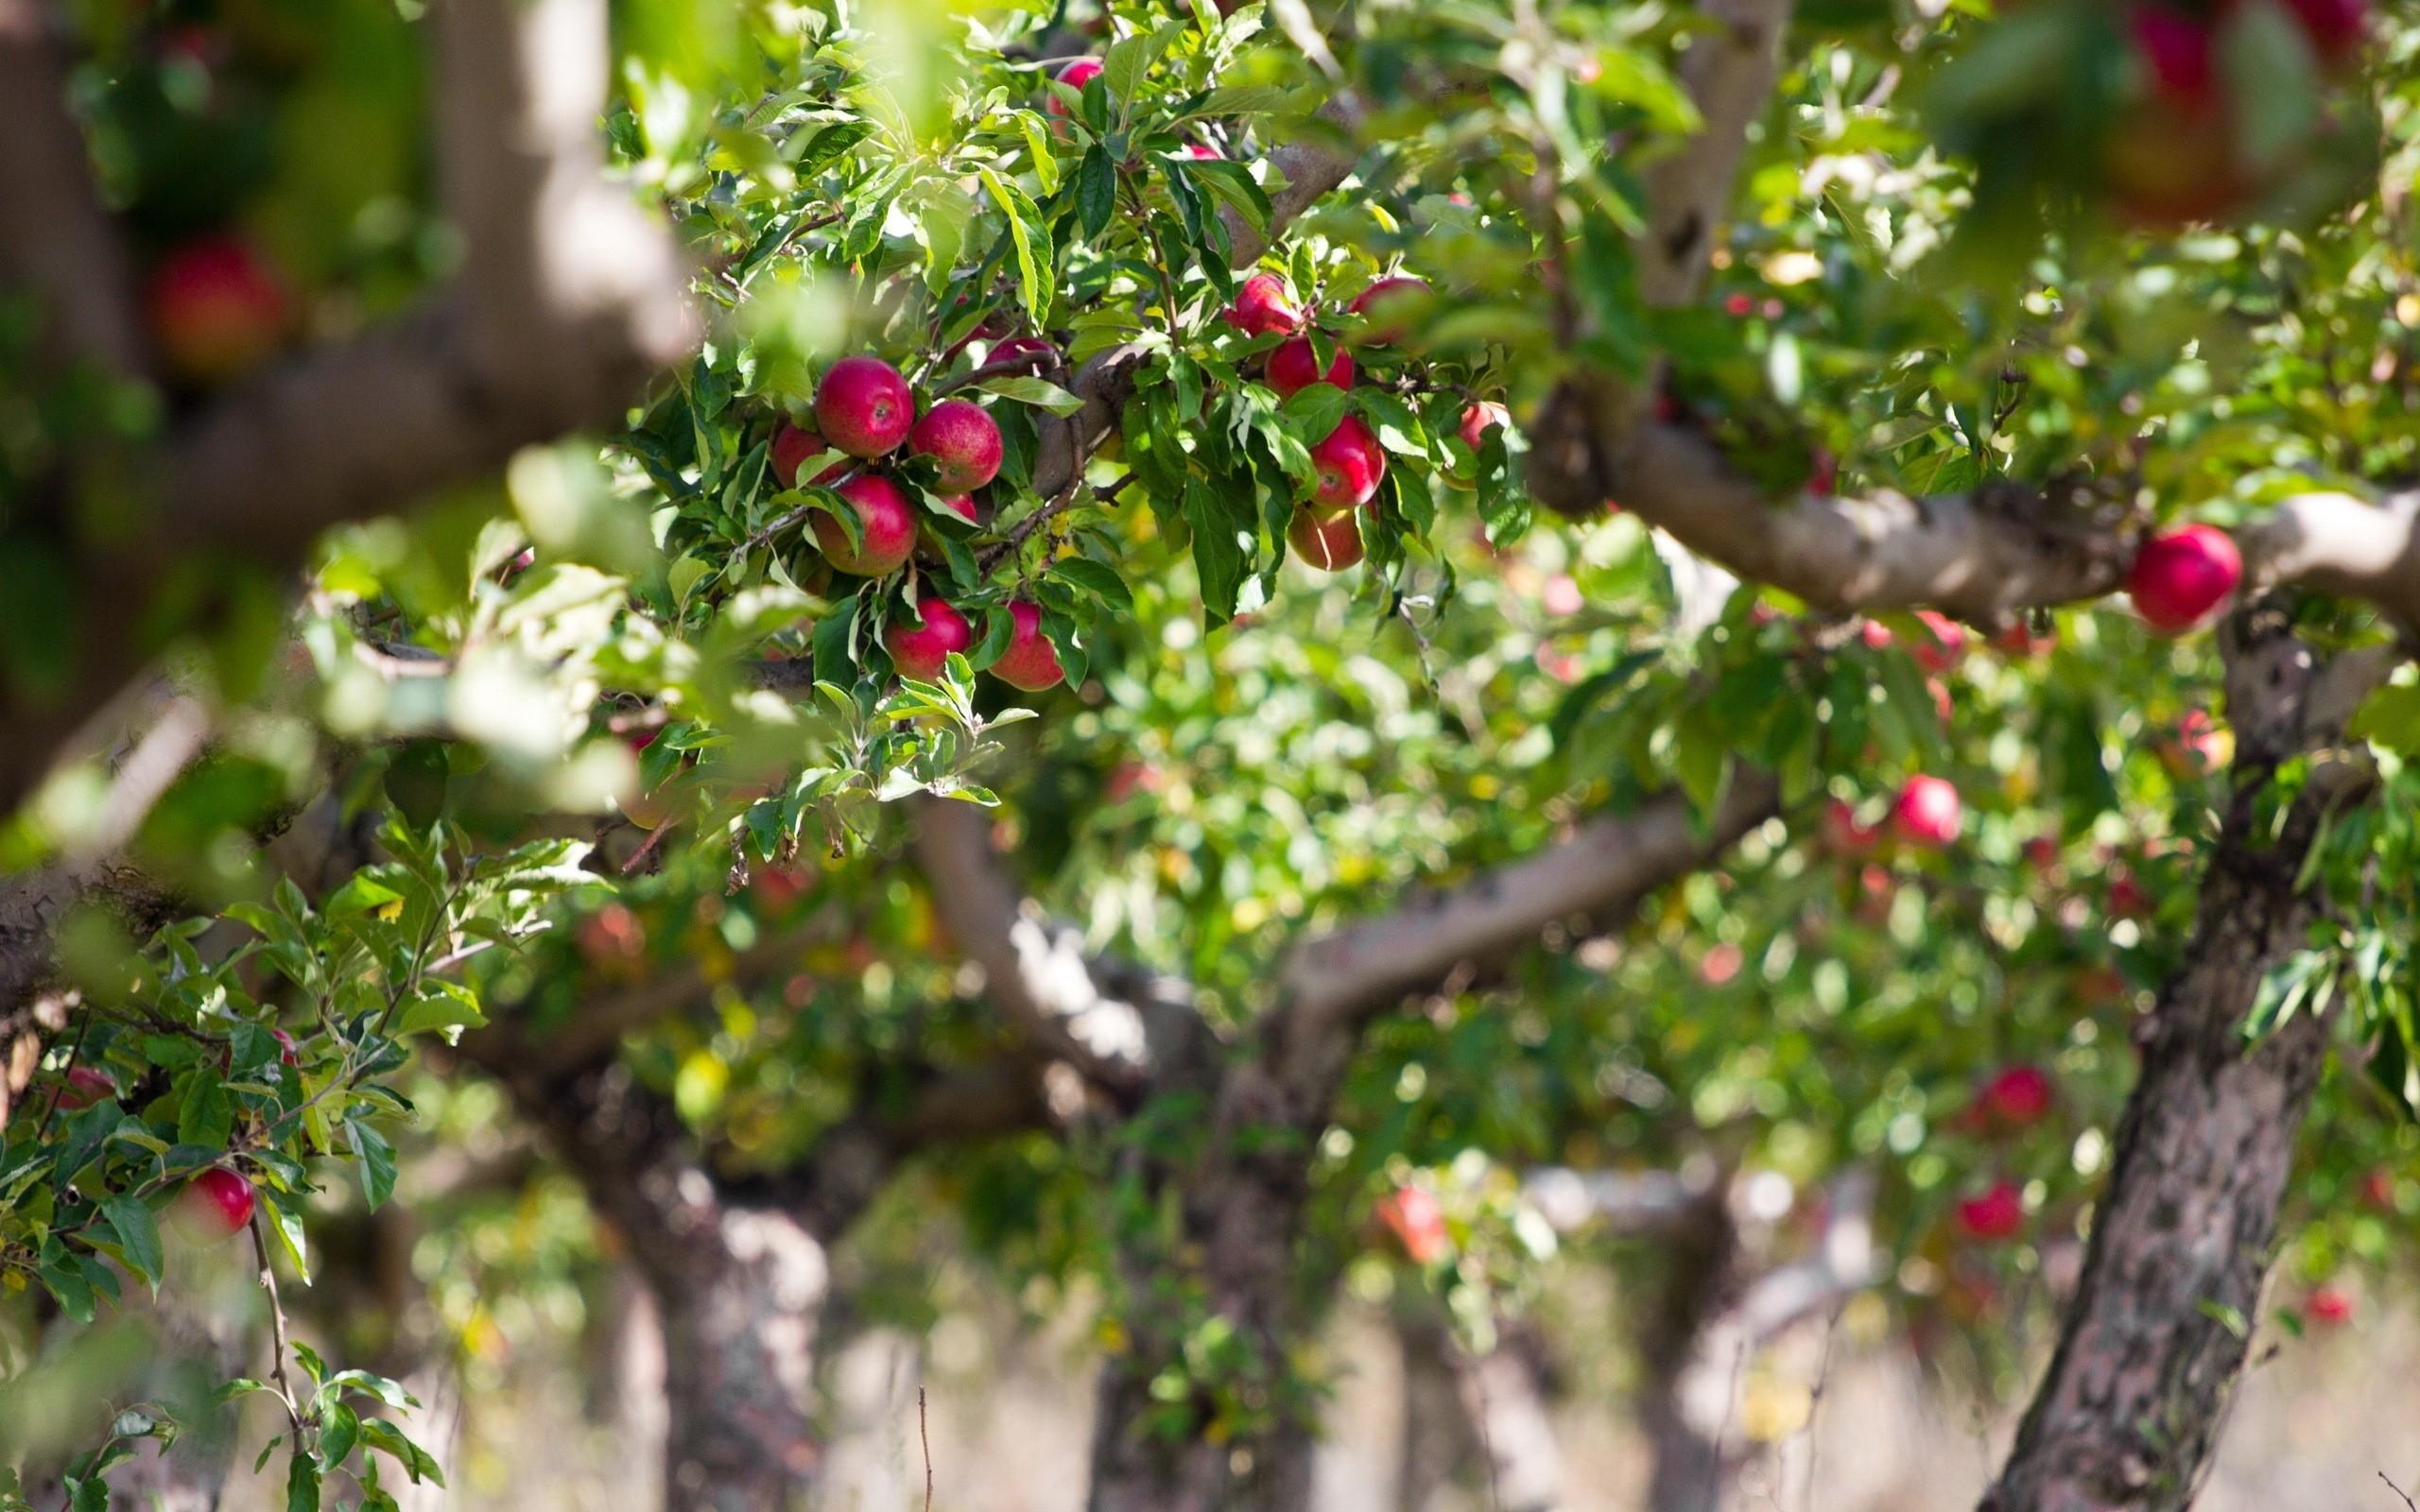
(1686, 1407)
(2156, 1333)
(1239, 1439)
(740, 1291)
(1504, 1400)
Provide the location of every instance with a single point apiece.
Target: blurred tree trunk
(738, 1290)
(2156, 1333)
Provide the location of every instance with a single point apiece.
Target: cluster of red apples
(1348, 463)
(863, 408)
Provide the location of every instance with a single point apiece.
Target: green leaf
(207, 1116)
(339, 1431)
(138, 1237)
(1096, 191)
(301, 1483)
(375, 1158)
(1036, 267)
(438, 1005)
(1040, 392)
(1098, 579)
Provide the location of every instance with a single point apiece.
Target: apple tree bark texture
(568, 300)
(1234, 1126)
(738, 1264)
(2150, 1350)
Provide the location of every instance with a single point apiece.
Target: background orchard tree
(1209, 657)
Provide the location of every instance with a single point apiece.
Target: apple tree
(1250, 651)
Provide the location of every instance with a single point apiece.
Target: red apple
(1927, 813)
(1939, 650)
(2017, 1097)
(220, 1202)
(2331, 1305)
(1328, 541)
(963, 438)
(2127, 899)
(2198, 747)
(1075, 74)
(1997, 1214)
(1480, 418)
(612, 936)
(2041, 852)
(286, 1047)
(1032, 351)
(885, 527)
(1386, 308)
(793, 446)
(1030, 662)
(2378, 1189)
(2336, 28)
(2022, 639)
(1721, 963)
(2182, 576)
(1204, 151)
(1348, 465)
(1294, 367)
(962, 505)
(863, 406)
(1875, 635)
(1843, 836)
(216, 308)
(1264, 306)
(2174, 48)
(1411, 1213)
(85, 1086)
(920, 650)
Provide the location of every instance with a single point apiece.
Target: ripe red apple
(963, 438)
(863, 406)
(85, 1086)
(775, 889)
(918, 650)
(1328, 541)
(1075, 74)
(1480, 418)
(1204, 151)
(2331, 1305)
(1294, 367)
(1721, 963)
(2022, 639)
(1264, 306)
(885, 527)
(1927, 813)
(1843, 836)
(1386, 308)
(1875, 635)
(1999, 1213)
(793, 445)
(2198, 748)
(1030, 662)
(1417, 1222)
(2336, 28)
(612, 936)
(2174, 48)
(2127, 899)
(286, 1047)
(1348, 465)
(2182, 575)
(1032, 351)
(220, 1202)
(2017, 1097)
(2041, 852)
(1939, 650)
(961, 504)
(216, 308)
(2378, 1189)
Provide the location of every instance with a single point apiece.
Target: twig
(655, 837)
(276, 1328)
(83, 1022)
(2399, 1490)
(924, 1435)
(1024, 363)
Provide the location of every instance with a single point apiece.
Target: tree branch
(55, 237)
(1330, 985)
(1729, 73)
(1107, 1021)
(568, 300)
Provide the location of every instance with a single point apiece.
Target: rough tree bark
(2152, 1346)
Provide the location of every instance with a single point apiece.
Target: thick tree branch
(2128, 1412)
(55, 237)
(1108, 1021)
(1729, 73)
(568, 300)
(1330, 985)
